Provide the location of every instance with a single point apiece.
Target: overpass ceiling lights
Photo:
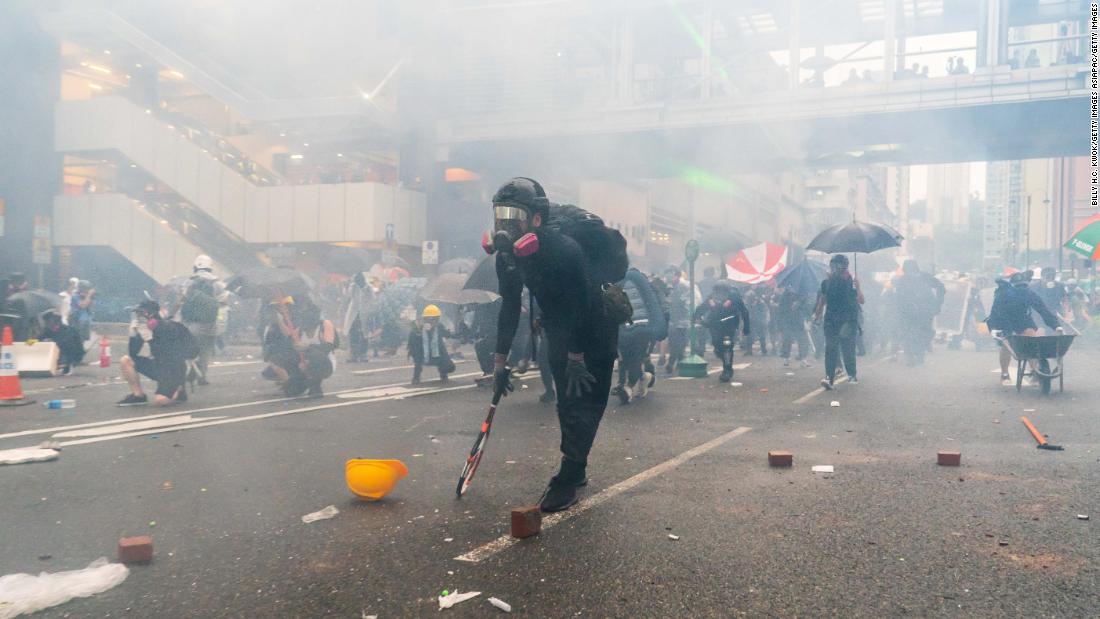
(757, 23)
(875, 10)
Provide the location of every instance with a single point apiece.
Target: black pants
(579, 417)
(723, 348)
(840, 341)
(677, 342)
(792, 334)
(633, 351)
(545, 372)
(358, 341)
(485, 349)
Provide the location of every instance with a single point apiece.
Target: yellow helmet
(431, 311)
(373, 479)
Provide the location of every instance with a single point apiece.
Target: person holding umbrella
(839, 301)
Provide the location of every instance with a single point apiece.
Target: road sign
(1, 217)
(691, 250)
(391, 233)
(41, 227)
(429, 252)
(43, 251)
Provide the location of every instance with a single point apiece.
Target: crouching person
(67, 338)
(426, 345)
(170, 346)
(316, 342)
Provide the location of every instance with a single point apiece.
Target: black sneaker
(558, 497)
(548, 398)
(134, 400)
(726, 376)
(826, 384)
(315, 391)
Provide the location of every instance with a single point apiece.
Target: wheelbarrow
(1041, 349)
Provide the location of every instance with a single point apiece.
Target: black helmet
(524, 193)
(1020, 278)
(150, 307)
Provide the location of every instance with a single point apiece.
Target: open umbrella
(1086, 240)
(458, 265)
(268, 282)
(757, 264)
(31, 303)
(804, 278)
(484, 276)
(448, 288)
(857, 237)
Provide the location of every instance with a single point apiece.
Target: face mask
(152, 322)
(1050, 284)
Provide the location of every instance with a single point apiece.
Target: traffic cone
(104, 352)
(11, 394)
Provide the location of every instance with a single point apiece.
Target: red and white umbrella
(757, 264)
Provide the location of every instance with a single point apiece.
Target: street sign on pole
(391, 233)
(1, 217)
(42, 249)
(429, 252)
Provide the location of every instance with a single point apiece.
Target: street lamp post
(693, 365)
(1027, 236)
(1046, 208)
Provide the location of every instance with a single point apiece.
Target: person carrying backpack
(635, 339)
(170, 346)
(198, 311)
(569, 261)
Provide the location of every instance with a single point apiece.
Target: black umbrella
(484, 276)
(31, 303)
(804, 278)
(857, 236)
(267, 282)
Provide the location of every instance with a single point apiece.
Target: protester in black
(68, 341)
(723, 313)
(839, 300)
(580, 339)
(170, 345)
(791, 310)
(919, 297)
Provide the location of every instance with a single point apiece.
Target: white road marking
(816, 392)
(208, 409)
(136, 425)
(713, 371)
(505, 541)
(228, 364)
(396, 367)
(223, 420)
(295, 411)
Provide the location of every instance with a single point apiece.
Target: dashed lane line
(506, 541)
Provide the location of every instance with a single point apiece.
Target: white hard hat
(204, 263)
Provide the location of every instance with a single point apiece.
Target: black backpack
(604, 248)
(199, 305)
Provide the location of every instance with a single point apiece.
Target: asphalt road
(221, 486)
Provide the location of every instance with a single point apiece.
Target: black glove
(578, 380)
(502, 381)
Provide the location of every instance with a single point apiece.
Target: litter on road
(1082, 516)
(323, 514)
(673, 537)
(23, 455)
(501, 604)
(26, 593)
(450, 599)
(834, 404)
(822, 468)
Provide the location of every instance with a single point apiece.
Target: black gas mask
(510, 232)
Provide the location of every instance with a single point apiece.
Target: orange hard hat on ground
(373, 479)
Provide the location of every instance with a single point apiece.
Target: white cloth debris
(449, 600)
(27, 454)
(823, 468)
(27, 593)
(501, 604)
(673, 537)
(834, 404)
(323, 514)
